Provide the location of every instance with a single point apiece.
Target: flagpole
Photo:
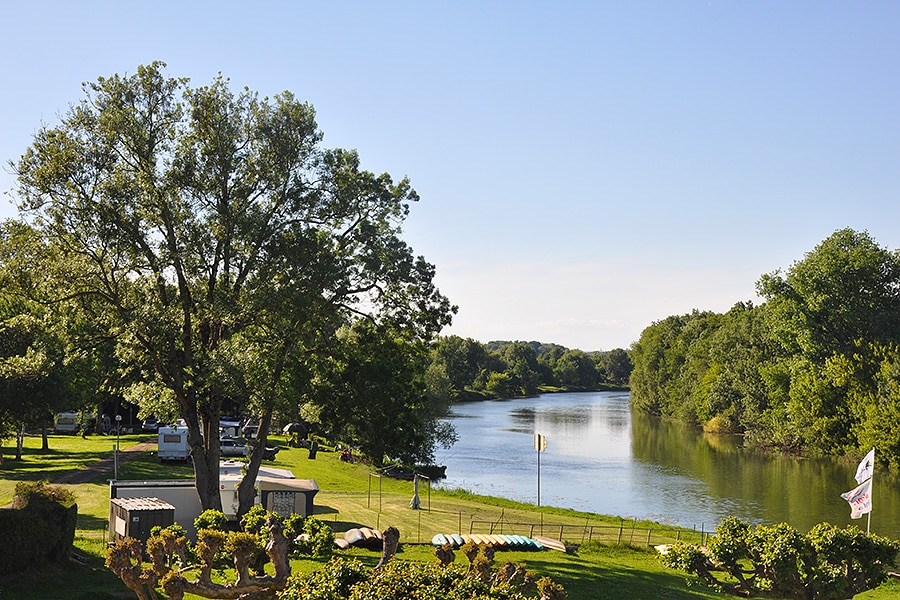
(871, 504)
(871, 494)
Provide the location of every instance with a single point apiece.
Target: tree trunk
(45, 445)
(20, 441)
(247, 485)
(205, 458)
(389, 546)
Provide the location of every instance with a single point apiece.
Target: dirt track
(104, 466)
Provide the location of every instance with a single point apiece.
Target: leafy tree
(871, 380)
(197, 221)
(576, 369)
(614, 366)
(847, 289)
(732, 394)
(34, 379)
(521, 367)
(371, 391)
(461, 359)
(828, 563)
(669, 359)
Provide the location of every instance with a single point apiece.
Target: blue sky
(585, 168)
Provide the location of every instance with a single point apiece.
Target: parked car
(150, 424)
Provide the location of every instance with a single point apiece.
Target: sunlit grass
(351, 494)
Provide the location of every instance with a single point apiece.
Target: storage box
(135, 517)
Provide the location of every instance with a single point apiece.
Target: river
(601, 458)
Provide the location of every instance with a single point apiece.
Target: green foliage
(333, 582)
(37, 378)
(241, 542)
(828, 563)
(33, 493)
(316, 538)
(211, 519)
(813, 370)
(215, 243)
(464, 369)
(371, 390)
(39, 530)
(401, 580)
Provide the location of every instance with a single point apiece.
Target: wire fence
(377, 510)
(626, 532)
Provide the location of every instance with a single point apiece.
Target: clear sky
(585, 168)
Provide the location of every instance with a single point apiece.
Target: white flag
(865, 468)
(860, 499)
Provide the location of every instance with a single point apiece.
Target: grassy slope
(350, 496)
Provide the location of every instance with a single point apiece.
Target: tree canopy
(217, 241)
(813, 369)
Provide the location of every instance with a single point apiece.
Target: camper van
(67, 422)
(172, 443)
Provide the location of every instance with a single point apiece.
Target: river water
(601, 458)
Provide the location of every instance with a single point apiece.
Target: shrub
(31, 492)
(40, 530)
(401, 580)
(828, 563)
(211, 519)
(316, 539)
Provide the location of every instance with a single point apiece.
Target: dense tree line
(465, 369)
(814, 369)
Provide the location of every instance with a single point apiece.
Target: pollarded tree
(777, 561)
(198, 218)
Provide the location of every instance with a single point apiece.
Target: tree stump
(389, 549)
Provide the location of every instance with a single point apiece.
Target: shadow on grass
(91, 523)
(66, 580)
(146, 466)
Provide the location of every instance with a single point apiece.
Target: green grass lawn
(613, 559)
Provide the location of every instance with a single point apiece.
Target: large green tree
(203, 220)
(371, 391)
(845, 290)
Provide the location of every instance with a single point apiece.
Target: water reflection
(601, 458)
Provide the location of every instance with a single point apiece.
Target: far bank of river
(602, 459)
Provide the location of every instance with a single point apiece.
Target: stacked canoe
(497, 541)
(362, 537)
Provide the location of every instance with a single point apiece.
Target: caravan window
(171, 438)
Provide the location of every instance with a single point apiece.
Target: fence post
(649, 531)
(633, 525)
(619, 538)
